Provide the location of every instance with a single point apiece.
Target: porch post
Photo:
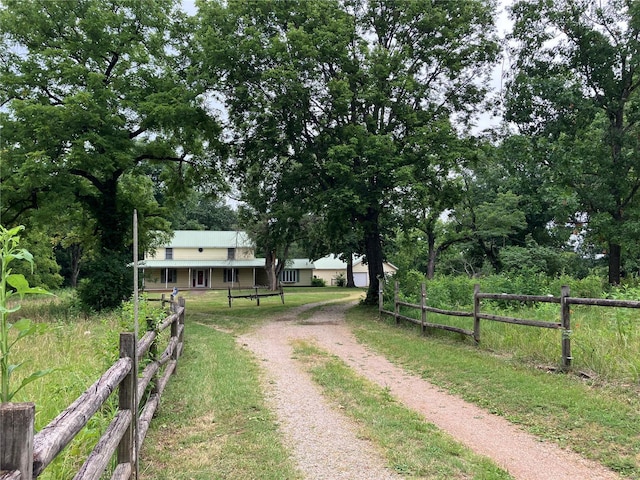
(190, 279)
(210, 278)
(166, 278)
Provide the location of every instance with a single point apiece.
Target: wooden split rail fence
(564, 323)
(255, 295)
(24, 456)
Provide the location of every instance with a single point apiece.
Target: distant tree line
(342, 126)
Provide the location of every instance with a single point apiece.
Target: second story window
(231, 253)
(168, 253)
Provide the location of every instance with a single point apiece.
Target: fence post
(229, 294)
(126, 399)
(423, 305)
(16, 438)
(565, 313)
(153, 355)
(182, 302)
(476, 312)
(396, 299)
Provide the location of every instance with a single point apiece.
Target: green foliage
(109, 282)
(577, 99)
(360, 98)
(12, 284)
(341, 280)
(452, 291)
(45, 271)
(318, 282)
(95, 97)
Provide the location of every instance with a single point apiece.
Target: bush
(318, 282)
(341, 280)
(108, 284)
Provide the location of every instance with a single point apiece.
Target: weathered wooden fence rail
(564, 323)
(255, 295)
(24, 455)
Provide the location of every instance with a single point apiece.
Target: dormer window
(168, 253)
(231, 253)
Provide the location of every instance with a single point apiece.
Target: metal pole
(565, 313)
(135, 338)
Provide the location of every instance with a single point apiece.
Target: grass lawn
(598, 421)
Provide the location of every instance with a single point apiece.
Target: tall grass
(605, 341)
(79, 349)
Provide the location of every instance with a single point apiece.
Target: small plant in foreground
(10, 285)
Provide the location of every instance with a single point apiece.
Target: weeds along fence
(564, 324)
(24, 455)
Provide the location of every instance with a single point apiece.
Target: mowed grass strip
(598, 421)
(412, 446)
(213, 422)
(244, 314)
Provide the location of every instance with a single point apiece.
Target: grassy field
(213, 422)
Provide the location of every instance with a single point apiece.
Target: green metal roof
(209, 239)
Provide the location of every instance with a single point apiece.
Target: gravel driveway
(324, 440)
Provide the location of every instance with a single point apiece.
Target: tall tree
(348, 89)
(575, 83)
(93, 90)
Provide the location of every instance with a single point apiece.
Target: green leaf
(31, 378)
(22, 324)
(20, 283)
(12, 368)
(27, 327)
(14, 231)
(23, 254)
(4, 309)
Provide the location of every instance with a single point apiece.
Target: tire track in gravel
(325, 443)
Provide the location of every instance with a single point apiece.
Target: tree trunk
(433, 253)
(75, 252)
(615, 252)
(351, 283)
(373, 251)
(270, 266)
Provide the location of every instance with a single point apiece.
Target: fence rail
(25, 455)
(564, 323)
(255, 295)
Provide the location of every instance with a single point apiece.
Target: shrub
(318, 282)
(108, 284)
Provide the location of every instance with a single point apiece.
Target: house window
(289, 276)
(169, 275)
(168, 253)
(231, 253)
(230, 275)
